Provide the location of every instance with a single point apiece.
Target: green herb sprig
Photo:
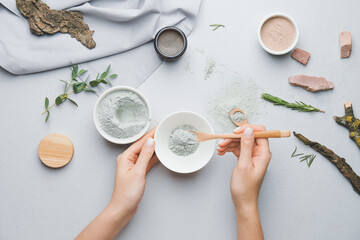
(308, 158)
(298, 105)
(216, 26)
(77, 85)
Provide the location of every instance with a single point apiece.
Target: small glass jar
(180, 42)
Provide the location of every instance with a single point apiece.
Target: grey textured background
(295, 202)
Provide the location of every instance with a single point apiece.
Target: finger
(153, 161)
(225, 142)
(247, 144)
(232, 149)
(136, 147)
(146, 153)
(262, 142)
(231, 145)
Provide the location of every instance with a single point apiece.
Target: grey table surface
(296, 202)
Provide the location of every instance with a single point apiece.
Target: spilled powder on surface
(122, 114)
(182, 142)
(209, 68)
(244, 94)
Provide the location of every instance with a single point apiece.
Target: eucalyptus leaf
(103, 75)
(113, 76)
(108, 69)
(89, 90)
(94, 83)
(47, 117)
(60, 99)
(79, 87)
(72, 101)
(82, 71)
(46, 103)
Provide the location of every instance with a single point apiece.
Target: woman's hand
(132, 167)
(253, 159)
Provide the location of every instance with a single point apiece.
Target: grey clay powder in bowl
(122, 115)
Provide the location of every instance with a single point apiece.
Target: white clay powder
(122, 114)
(182, 142)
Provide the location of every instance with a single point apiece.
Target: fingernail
(237, 130)
(248, 132)
(150, 142)
(221, 142)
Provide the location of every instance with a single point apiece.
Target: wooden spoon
(201, 136)
(235, 110)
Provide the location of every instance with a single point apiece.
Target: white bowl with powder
(278, 33)
(122, 115)
(171, 147)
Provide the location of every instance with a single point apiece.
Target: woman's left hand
(132, 167)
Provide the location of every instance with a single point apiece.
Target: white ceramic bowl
(183, 164)
(111, 138)
(278, 14)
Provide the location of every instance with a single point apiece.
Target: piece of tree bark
(350, 122)
(42, 20)
(339, 162)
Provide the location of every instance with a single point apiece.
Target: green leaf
(82, 71)
(74, 71)
(94, 83)
(89, 90)
(103, 75)
(104, 81)
(107, 70)
(46, 103)
(113, 76)
(79, 87)
(64, 81)
(60, 99)
(72, 101)
(47, 117)
(311, 160)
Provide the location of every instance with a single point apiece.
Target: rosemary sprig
(78, 85)
(308, 158)
(296, 155)
(216, 26)
(298, 105)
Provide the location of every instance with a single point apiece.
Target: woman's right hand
(253, 159)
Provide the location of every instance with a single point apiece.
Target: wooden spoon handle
(265, 134)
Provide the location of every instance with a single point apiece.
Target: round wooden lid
(56, 150)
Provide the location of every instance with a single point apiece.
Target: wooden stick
(265, 134)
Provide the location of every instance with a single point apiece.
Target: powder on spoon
(278, 33)
(122, 114)
(238, 117)
(170, 43)
(182, 142)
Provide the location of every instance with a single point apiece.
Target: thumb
(146, 153)
(246, 147)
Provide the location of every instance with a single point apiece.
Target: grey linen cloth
(124, 30)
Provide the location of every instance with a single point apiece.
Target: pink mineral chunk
(301, 56)
(312, 84)
(345, 43)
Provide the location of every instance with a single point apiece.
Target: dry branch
(339, 162)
